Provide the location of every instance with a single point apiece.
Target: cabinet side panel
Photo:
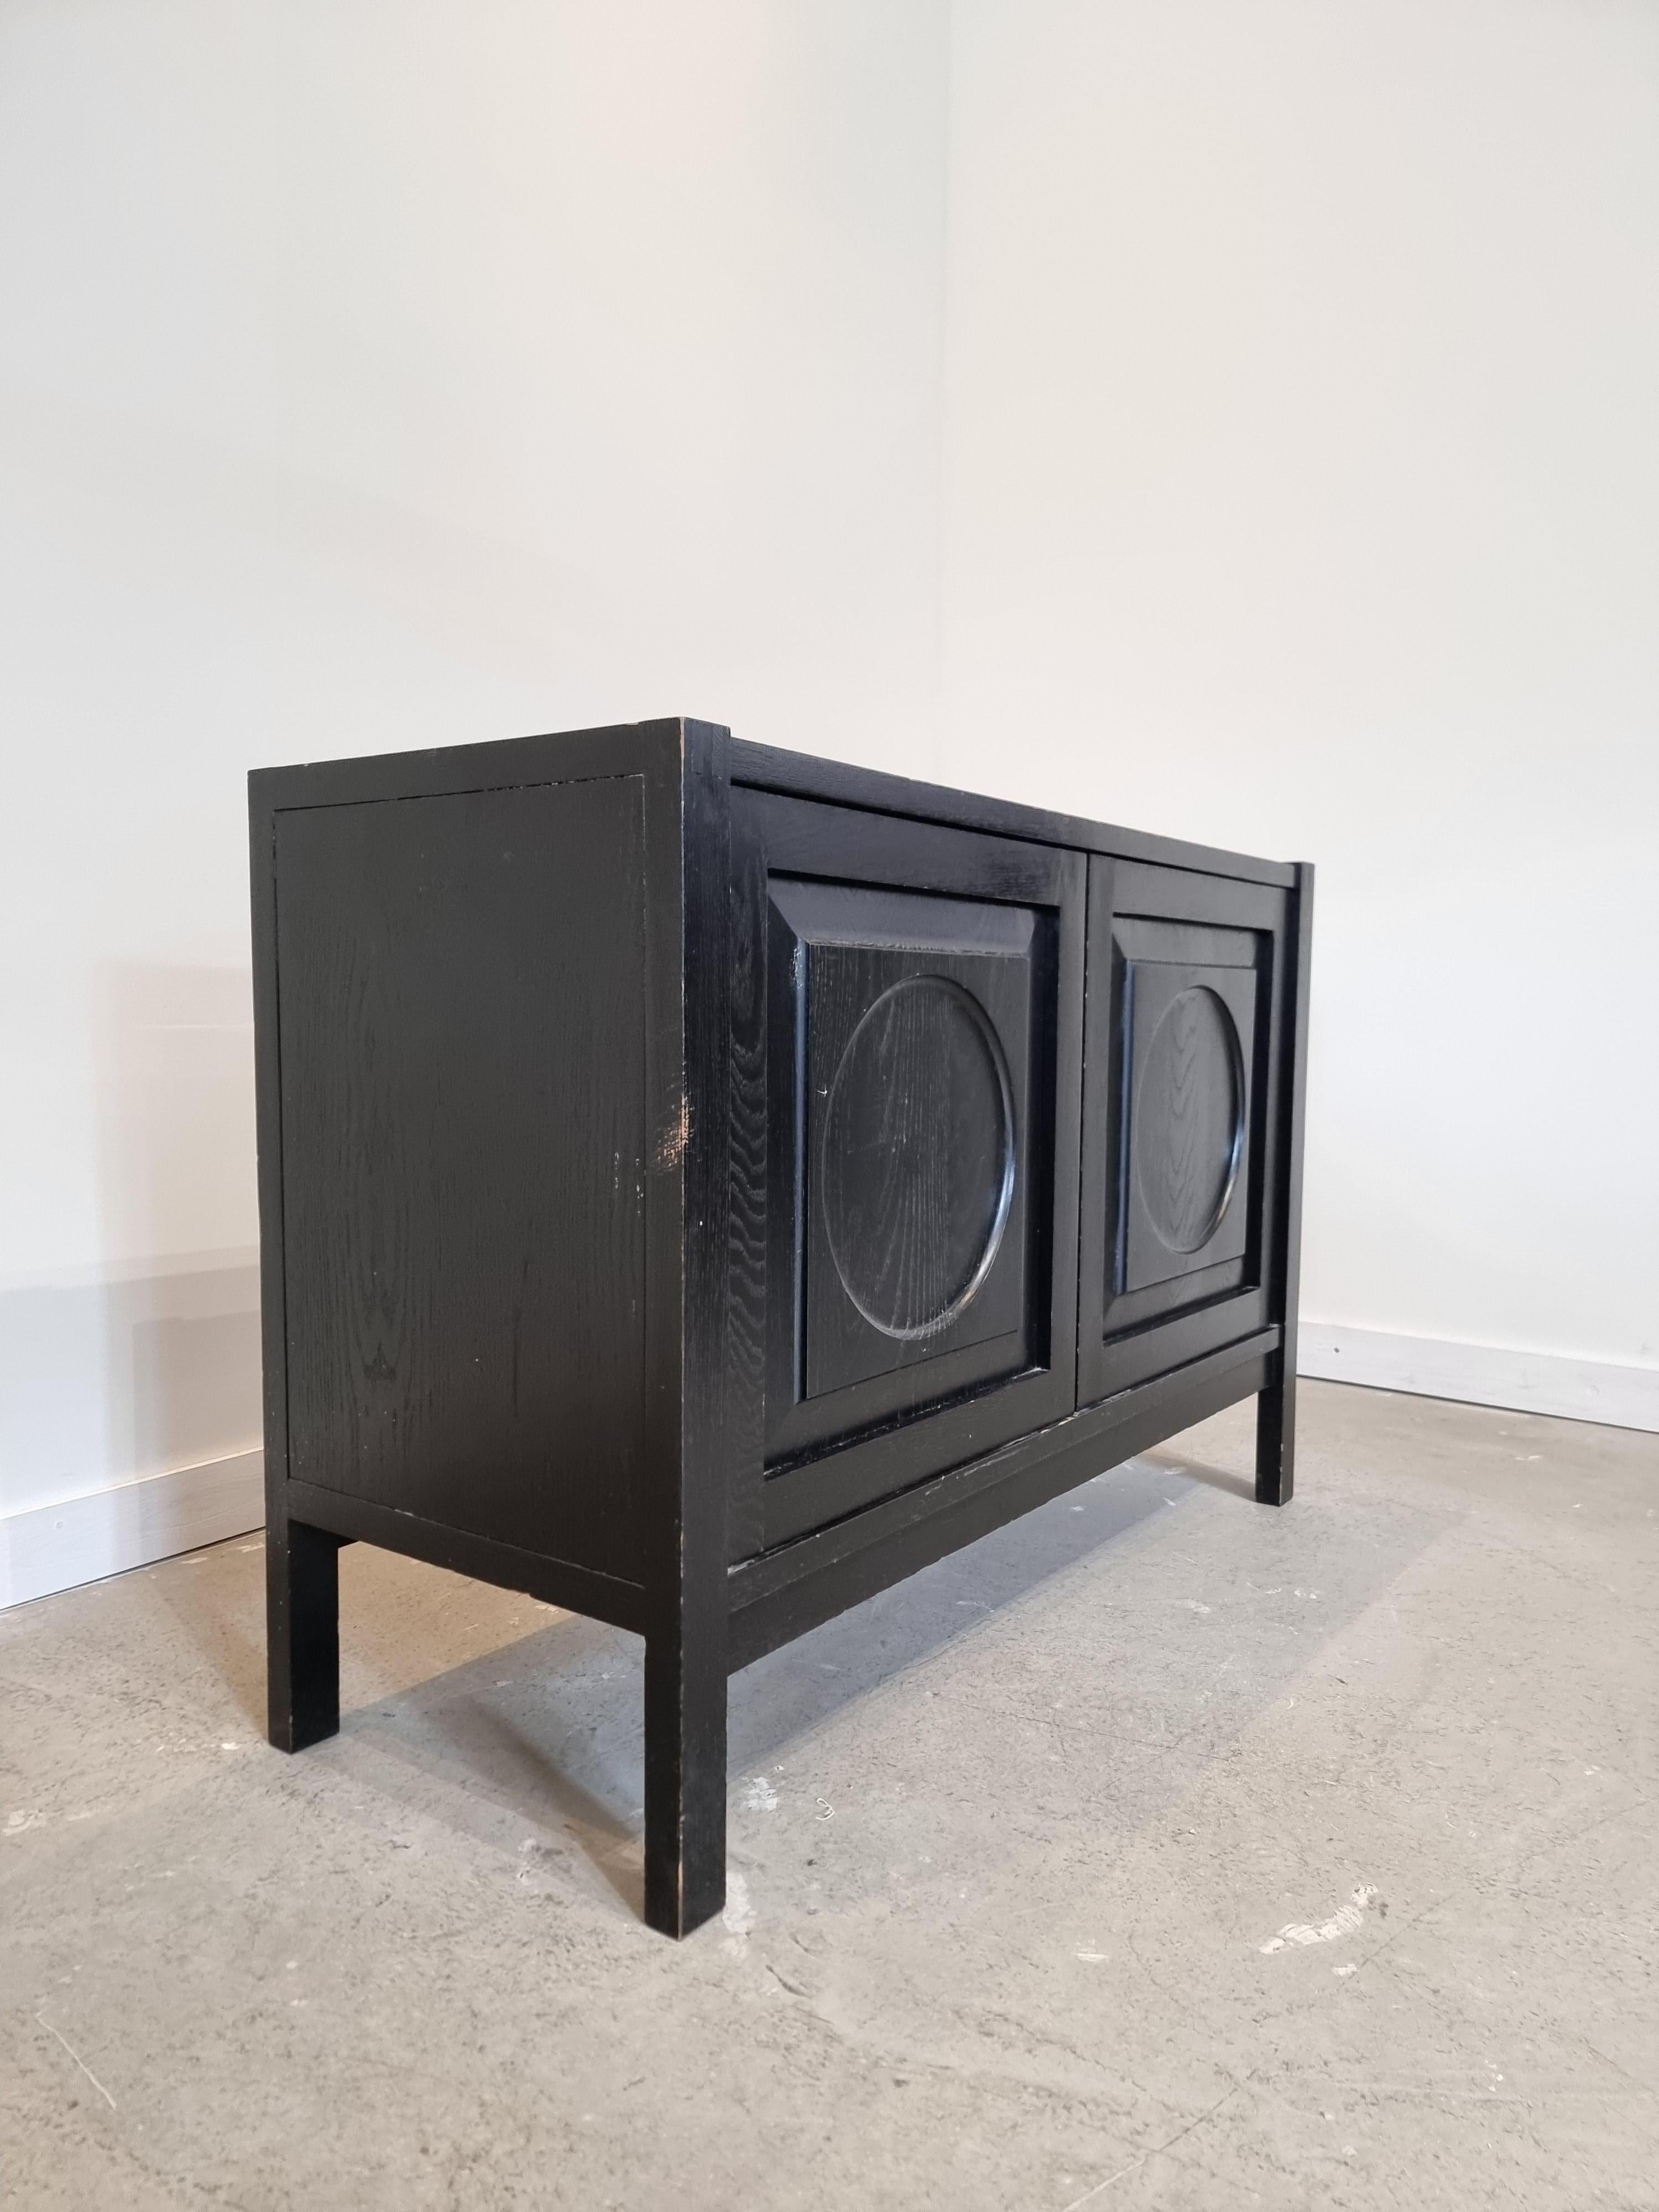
(461, 987)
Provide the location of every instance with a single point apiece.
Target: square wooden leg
(302, 1630)
(1275, 1443)
(684, 1783)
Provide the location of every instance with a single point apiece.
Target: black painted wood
(690, 1256)
(902, 1064)
(686, 1196)
(1275, 1434)
(554, 1581)
(461, 983)
(749, 1157)
(768, 768)
(782, 1595)
(1185, 1027)
(861, 913)
(302, 1632)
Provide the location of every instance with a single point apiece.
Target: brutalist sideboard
(700, 1185)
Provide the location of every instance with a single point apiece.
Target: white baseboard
(1481, 1375)
(53, 1547)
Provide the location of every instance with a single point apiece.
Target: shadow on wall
(149, 1362)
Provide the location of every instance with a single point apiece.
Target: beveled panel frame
(838, 950)
(962, 900)
(1162, 962)
(1136, 1320)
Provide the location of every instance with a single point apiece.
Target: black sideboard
(699, 1185)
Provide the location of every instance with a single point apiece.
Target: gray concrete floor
(1161, 1851)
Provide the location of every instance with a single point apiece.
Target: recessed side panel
(1183, 994)
(462, 995)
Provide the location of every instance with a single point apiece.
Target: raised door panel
(1183, 1011)
(923, 993)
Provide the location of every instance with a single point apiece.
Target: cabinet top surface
(628, 748)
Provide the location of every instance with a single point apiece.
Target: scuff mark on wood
(671, 1145)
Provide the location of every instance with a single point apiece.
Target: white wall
(1262, 450)
(1303, 495)
(374, 375)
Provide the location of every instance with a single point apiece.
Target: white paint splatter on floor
(739, 1915)
(79, 2061)
(1343, 1922)
(759, 1797)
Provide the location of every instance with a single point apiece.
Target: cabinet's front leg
(685, 1781)
(1275, 1443)
(302, 1632)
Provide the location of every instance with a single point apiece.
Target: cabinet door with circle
(923, 1008)
(1180, 1093)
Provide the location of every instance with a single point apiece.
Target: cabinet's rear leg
(302, 1630)
(1275, 1443)
(684, 1783)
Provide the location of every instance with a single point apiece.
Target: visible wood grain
(1185, 1189)
(508, 1566)
(857, 905)
(918, 1156)
(461, 987)
(918, 1111)
(622, 1235)
(689, 1259)
(1153, 1293)
(804, 839)
(1192, 1084)
(747, 1380)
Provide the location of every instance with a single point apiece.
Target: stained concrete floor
(1161, 1851)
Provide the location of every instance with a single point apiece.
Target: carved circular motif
(1189, 1120)
(918, 1158)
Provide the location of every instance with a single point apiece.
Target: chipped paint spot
(671, 1145)
(1343, 1922)
(759, 1797)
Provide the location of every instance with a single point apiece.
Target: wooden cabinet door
(922, 990)
(1183, 1027)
